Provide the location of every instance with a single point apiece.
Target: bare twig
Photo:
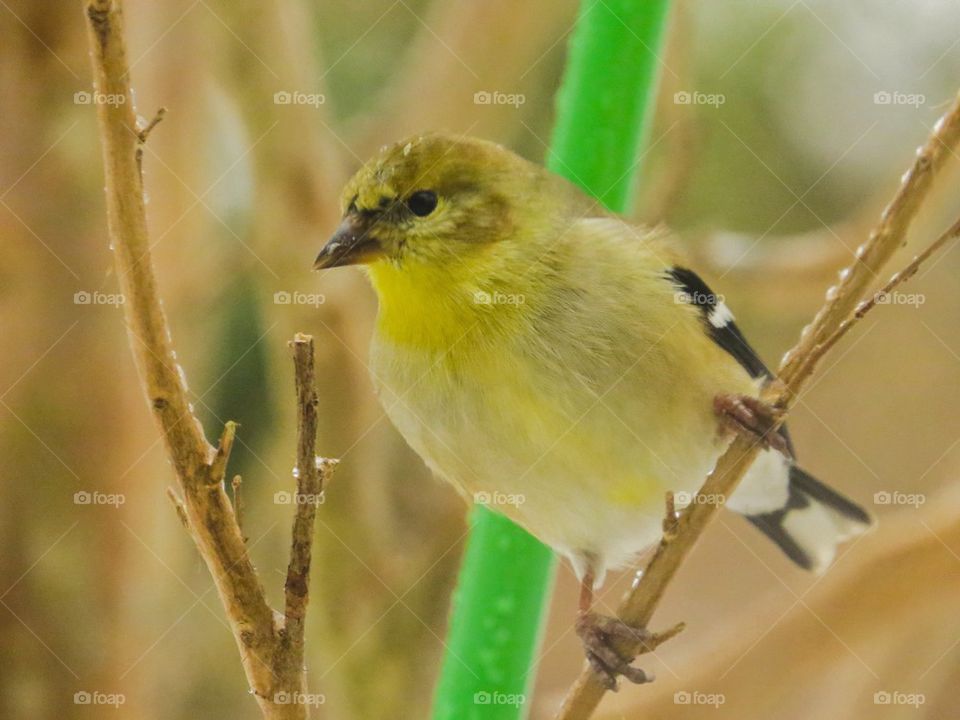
(218, 467)
(312, 473)
(860, 596)
(268, 651)
(895, 281)
(237, 486)
(142, 135)
(145, 131)
(640, 602)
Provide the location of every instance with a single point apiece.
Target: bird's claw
(599, 635)
(751, 416)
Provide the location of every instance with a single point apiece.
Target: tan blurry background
(782, 128)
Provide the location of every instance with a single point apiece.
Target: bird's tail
(813, 522)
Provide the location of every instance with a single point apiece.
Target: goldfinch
(535, 348)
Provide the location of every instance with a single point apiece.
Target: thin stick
(237, 486)
(640, 602)
(311, 472)
(895, 281)
(144, 132)
(205, 509)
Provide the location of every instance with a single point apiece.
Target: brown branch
(145, 131)
(895, 281)
(218, 466)
(308, 483)
(266, 649)
(638, 606)
(312, 474)
(237, 486)
(856, 599)
(127, 223)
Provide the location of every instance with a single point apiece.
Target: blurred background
(782, 129)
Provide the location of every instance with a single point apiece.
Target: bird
(534, 347)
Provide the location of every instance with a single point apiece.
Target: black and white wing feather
(718, 320)
(811, 518)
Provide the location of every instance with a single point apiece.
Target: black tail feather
(813, 522)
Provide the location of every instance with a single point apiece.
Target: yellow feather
(529, 345)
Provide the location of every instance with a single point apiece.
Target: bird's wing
(805, 518)
(720, 325)
(718, 321)
(657, 250)
(653, 248)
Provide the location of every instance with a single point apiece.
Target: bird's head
(433, 199)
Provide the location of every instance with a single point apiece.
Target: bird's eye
(422, 202)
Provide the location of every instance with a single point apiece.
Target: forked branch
(838, 314)
(271, 645)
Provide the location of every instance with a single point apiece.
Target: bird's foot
(751, 416)
(601, 635)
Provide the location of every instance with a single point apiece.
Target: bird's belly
(586, 472)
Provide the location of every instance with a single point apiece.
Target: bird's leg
(751, 416)
(600, 634)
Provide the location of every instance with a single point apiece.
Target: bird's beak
(351, 244)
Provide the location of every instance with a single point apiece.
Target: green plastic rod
(606, 100)
(603, 115)
(498, 612)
